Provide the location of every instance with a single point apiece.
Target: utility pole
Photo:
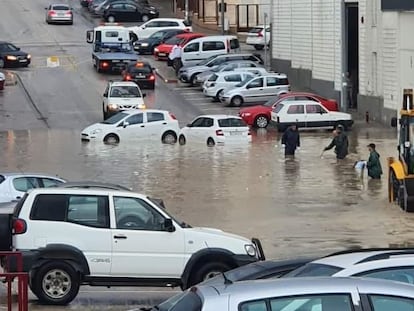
(265, 41)
(222, 16)
(344, 61)
(186, 13)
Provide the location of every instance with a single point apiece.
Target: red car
(259, 116)
(161, 52)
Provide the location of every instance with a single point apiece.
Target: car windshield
(213, 77)
(314, 269)
(207, 60)
(255, 30)
(125, 91)
(174, 41)
(113, 47)
(115, 118)
(248, 78)
(143, 69)
(185, 301)
(181, 223)
(270, 102)
(60, 8)
(231, 122)
(157, 35)
(8, 47)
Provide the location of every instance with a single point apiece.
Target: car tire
(152, 86)
(193, 79)
(181, 140)
(145, 18)
(66, 283)
(2, 63)
(169, 137)
(110, 19)
(111, 139)
(261, 121)
(207, 271)
(259, 47)
(211, 142)
(217, 97)
(98, 66)
(343, 125)
(105, 113)
(236, 101)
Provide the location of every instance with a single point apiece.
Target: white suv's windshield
(125, 91)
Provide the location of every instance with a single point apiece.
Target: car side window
(271, 81)
(136, 214)
(152, 24)
(135, 119)
(296, 109)
(48, 182)
(155, 116)
(192, 47)
(386, 303)
(234, 44)
(88, 210)
(118, 7)
(168, 24)
(208, 122)
(332, 302)
(314, 109)
(130, 8)
(233, 78)
(42, 210)
(197, 122)
(255, 83)
(401, 274)
(25, 183)
(258, 305)
(213, 45)
(282, 81)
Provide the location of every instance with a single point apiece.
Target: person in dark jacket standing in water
(340, 142)
(291, 140)
(373, 163)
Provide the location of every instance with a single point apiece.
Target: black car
(12, 56)
(147, 46)
(141, 73)
(129, 11)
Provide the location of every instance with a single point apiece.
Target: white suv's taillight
(19, 226)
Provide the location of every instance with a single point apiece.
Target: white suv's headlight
(250, 250)
(112, 106)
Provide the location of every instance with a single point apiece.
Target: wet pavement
(309, 205)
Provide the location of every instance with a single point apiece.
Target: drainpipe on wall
(343, 58)
(186, 13)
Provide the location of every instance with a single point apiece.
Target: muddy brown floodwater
(307, 205)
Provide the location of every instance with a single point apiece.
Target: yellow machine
(401, 170)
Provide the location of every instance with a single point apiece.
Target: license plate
(235, 133)
(139, 77)
(22, 60)
(61, 14)
(162, 54)
(116, 61)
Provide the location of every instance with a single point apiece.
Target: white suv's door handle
(123, 237)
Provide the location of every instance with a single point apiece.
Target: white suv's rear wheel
(56, 283)
(208, 271)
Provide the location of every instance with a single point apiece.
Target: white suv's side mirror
(125, 124)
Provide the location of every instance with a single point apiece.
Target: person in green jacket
(374, 164)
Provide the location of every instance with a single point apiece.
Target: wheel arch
(63, 252)
(398, 168)
(204, 256)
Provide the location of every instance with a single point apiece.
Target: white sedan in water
(215, 129)
(135, 124)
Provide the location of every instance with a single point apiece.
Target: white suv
(120, 96)
(256, 37)
(147, 29)
(103, 237)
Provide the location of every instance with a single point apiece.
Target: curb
(157, 72)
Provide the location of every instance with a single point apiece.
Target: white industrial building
(377, 49)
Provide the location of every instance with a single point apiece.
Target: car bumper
(17, 63)
(10, 263)
(161, 55)
(143, 49)
(210, 92)
(60, 19)
(254, 41)
(145, 83)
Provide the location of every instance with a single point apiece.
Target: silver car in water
(308, 294)
(59, 13)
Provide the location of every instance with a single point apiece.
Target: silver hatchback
(256, 90)
(308, 294)
(59, 13)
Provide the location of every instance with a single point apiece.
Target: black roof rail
(378, 249)
(387, 255)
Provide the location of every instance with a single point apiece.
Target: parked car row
(372, 277)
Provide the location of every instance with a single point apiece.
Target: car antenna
(226, 279)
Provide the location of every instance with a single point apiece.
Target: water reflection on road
(305, 205)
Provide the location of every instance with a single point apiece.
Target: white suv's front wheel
(56, 283)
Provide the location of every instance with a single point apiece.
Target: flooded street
(309, 205)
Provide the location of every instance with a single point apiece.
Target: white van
(201, 48)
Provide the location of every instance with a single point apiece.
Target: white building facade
(307, 44)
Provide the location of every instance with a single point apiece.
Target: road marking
(196, 98)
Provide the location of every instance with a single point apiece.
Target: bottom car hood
(217, 233)
(102, 126)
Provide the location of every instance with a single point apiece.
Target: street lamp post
(222, 17)
(344, 62)
(265, 40)
(186, 13)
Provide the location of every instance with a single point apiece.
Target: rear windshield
(248, 78)
(60, 7)
(187, 301)
(255, 30)
(314, 269)
(282, 81)
(144, 69)
(213, 77)
(231, 122)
